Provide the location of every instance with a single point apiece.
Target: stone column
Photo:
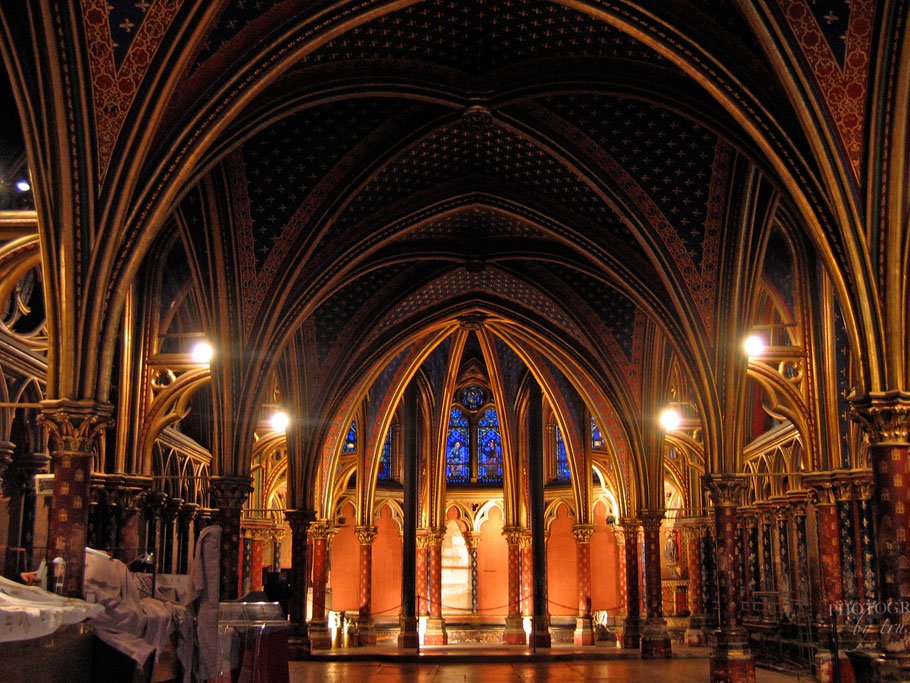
(751, 560)
(695, 633)
(584, 623)
(471, 540)
(731, 658)
(228, 494)
(843, 494)
(436, 625)
(540, 620)
(631, 632)
(19, 484)
(862, 483)
(620, 537)
(828, 545)
(169, 535)
(184, 549)
(130, 501)
(798, 500)
(299, 521)
(423, 604)
(886, 421)
(655, 640)
(514, 633)
(708, 556)
(527, 575)
(767, 564)
(408, 617)
(365, 626)
(319, 533)
(153, 505)
(784, 585)
(276, 536)
(75, 430)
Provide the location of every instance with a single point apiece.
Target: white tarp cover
(31, 612)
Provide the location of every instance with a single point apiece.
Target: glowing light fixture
(23, 186)
(670, 419)
(202, 352)
(279, 421)
(754, 345)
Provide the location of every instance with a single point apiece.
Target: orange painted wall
(344, 572)
(604, 565)
(492, 567)
(387, 553)
(562, 560)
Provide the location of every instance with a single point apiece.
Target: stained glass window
(350, 443)
(597, 441)
(473, 397)
(458, 451)
(385, 460)
(489, 447)
(562, 458)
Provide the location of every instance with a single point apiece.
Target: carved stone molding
(885, 416)
(229, 493)
(299, 520)
(434, 537)
(821, 488)
(513, 534)
(630, 525)
(862, 484)
(651, 519)
(583, 532)
(320, 530)
(256, 533)
(75, 426)
(725, 489)
(366, 534)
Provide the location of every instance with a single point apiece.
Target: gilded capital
(365, 534)
(885, 417)
(725, 489)
(230, 492)
(434, 536)
(513, 534)
(320, 530)
(583, 532)
(651, 519)
(75, 426)
(299, 519)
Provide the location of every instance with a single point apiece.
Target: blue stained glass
(597, 440)
(385, 460)
(473, 397)
(489, 447)
(458, 454)
(350, 443)
(562, 458)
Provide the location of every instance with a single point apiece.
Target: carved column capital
(366, 534)
(885, 416)
(320, 530)
(229, 492)
(749, 515)
(725, 489)
(256, 533)
(75, 426)
(843, 490)
(821, 488)
(187, 513)
(651, 519)
(277, 534)
(513, 534)
(583, 532)
(434, 536)
(862, 484)
(630, 525)
(153, 503)
(299, 520)
(171, 508)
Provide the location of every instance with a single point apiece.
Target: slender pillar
(319, 532)
(168, 530)
(436, 625)
(584, 623)
(655, 640)
(423, 577)
(620, 537)
(731, 658)
(184, 551)
(886, 421)
(365, 626)
(299, 521)
(767, 564)
(798, 500)
(843, 494)
(277, 537)
(408, 636)
(631, 632)
(540, 621)
(709, 579)
(471, 540)
(19, 483)
(695, 633)
(514, 633)
(228, 495)
(862, 483)
(784, 582)
(751, 559)
(75, 430)
(527, 575)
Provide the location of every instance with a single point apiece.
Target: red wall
(492, 567)
(562, 560)
(344, 573)
(387, 554)
(604, 565)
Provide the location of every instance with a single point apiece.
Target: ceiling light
(670, 419)
(279, 421)
(23, 186)
(202, 352)
(754, 345)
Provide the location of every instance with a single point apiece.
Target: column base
(731, 659)
(366, 631)
(824, 668)
(408, 637)
(584, 631)
(320, 639)
(540, 632)
(631, 633)
(655, 641)
(514, 631)
(436, 632)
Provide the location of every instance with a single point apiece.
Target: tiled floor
(668, 671)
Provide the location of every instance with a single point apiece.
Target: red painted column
(631, 633)
(584, 624)
(365, 626)
(436, 628)
(514, 633)
(422, 602)
(527, 575)
(319, 533)
(299, 521)
(655, 640)
(228, 495)
(731, 659)
(695, 633)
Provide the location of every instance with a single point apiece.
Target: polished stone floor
(685, 669)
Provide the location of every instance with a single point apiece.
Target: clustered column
(695, 634)
(228, 495)
(514, 633)
(631, 632)
(436, 628)
(366, 535)
(299, 521)
(655, 640)
(584, 623)
(319, 534)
